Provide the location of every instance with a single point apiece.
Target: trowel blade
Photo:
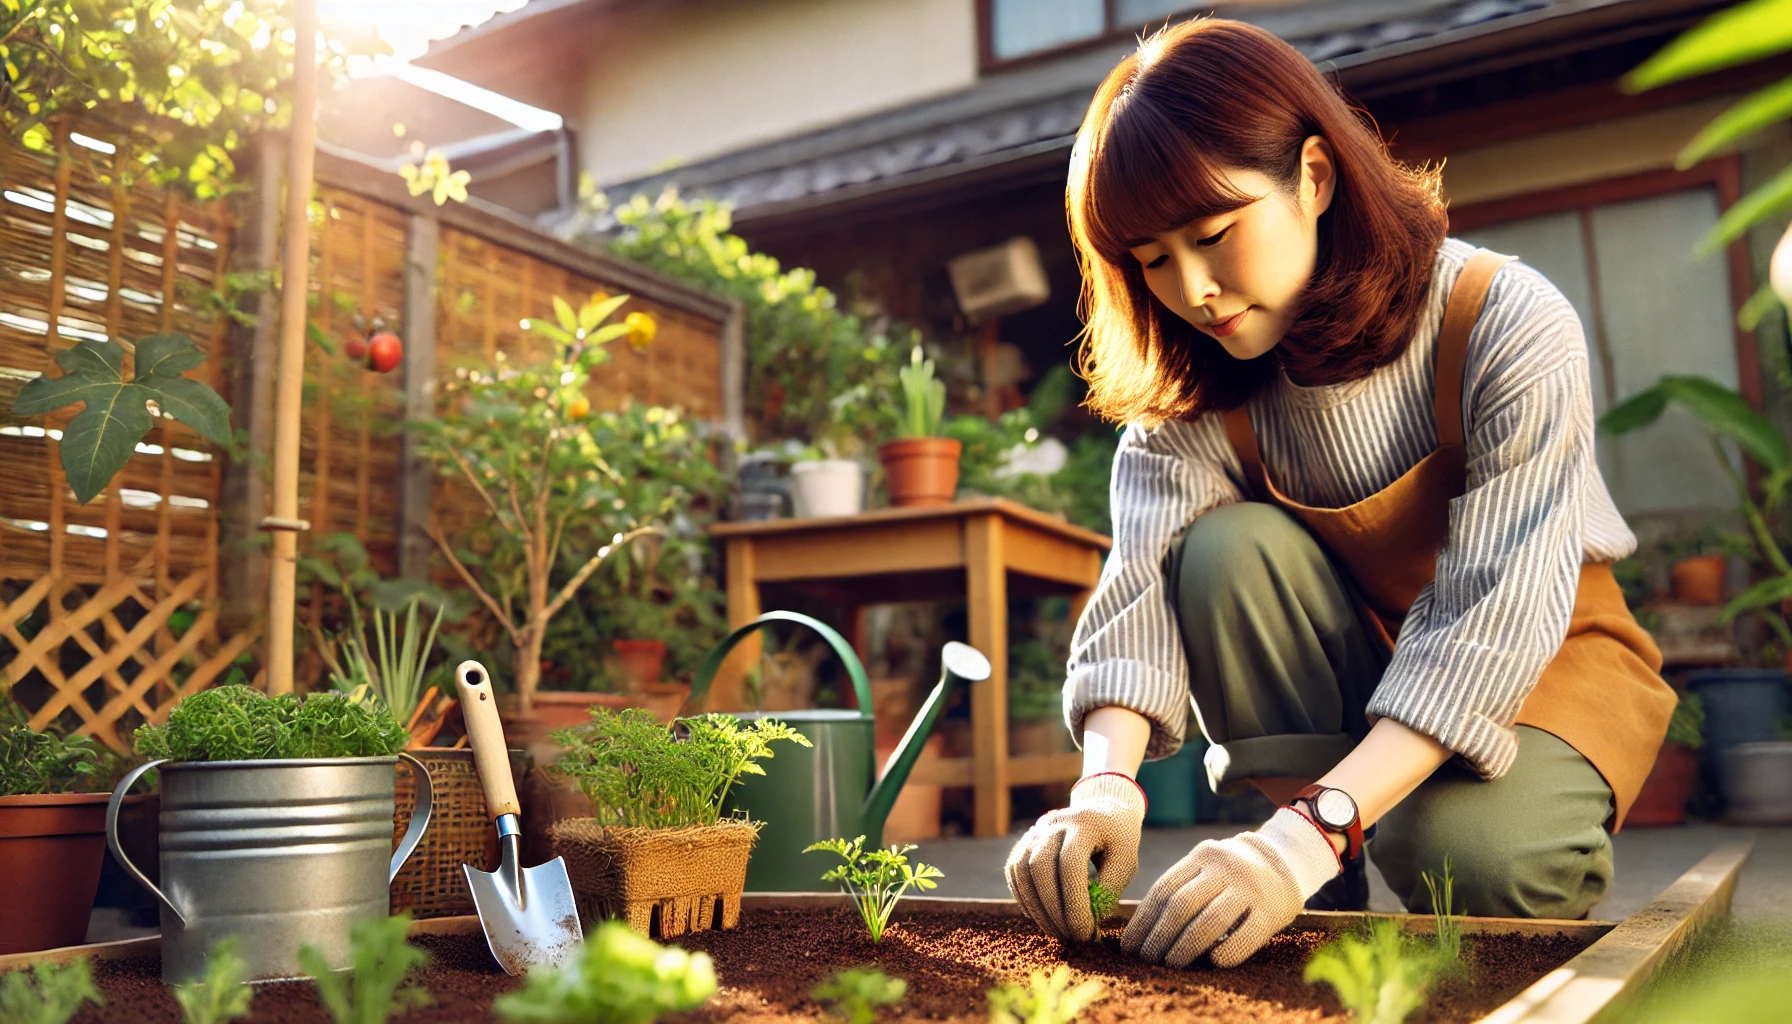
(537, 927)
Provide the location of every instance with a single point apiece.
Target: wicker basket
(460, 832)
(680, 873)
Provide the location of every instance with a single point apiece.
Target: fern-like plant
(855, 995)
(221, 995)
(240, 723)
(47, 993)
(924, 399)
(1381, 979)
(370, 991)
(876, 879)
(620, 978)
(1102, 902)
(1046, 999)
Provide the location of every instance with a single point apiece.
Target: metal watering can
(279, 853)
(831, 789)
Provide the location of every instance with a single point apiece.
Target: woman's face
(1255, 260)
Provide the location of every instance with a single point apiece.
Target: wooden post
(289, 393)
(422, 243)
(728, 691)
(986, 602)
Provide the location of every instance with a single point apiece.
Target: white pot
(827, 487)
(1758, 783)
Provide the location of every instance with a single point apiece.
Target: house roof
(1022, 121)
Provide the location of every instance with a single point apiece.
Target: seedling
(620, 978)
(1449, 923)
(636, 772)
(1045, 1000)
(1102, 902)
(854, 995)
(876, 879)
(1381, 979)
(379, 959)
(47, 993)
(221, 995)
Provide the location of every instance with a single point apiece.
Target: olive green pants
(1281, 667)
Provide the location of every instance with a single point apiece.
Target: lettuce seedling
(620, 978)
(47, 993)
(1047, 999)
(379, 958)
(876, 879)
(1102, 902)
(1381, 979)
(854, 995)
(221, 995)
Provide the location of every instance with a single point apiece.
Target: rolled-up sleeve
(1480, 634)
(1127, 649)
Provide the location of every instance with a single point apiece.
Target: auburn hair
(1196, 99)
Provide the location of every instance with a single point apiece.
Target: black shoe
(1348, 891)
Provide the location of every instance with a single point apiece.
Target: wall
(687, 81)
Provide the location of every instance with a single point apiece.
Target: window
(1014, 29)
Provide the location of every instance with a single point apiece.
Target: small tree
(516, 437)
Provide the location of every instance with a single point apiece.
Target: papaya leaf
(1746, 32)
(102, 437)
(1725, 412)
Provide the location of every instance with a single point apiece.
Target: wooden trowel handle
(485, 734)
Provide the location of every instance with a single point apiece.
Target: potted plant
(276, 824)
(52, 832)
(1662, 800)
(518, 439)
(657, 845)
(823, 484)
(920, 466)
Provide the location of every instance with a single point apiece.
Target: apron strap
(1467, 296)
(1244, 443)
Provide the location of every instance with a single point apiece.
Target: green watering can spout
(959, 663)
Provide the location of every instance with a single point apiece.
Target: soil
(768, 965)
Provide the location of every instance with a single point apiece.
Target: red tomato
(384, 352)
(355, 348)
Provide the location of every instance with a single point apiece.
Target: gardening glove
(1048, 870)
(1232, 895)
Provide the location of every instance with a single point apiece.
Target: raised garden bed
(951, 951)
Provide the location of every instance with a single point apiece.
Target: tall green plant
(636, 772)
(514, 436)
(1742, 34)
(924, 399)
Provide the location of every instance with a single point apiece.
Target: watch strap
(1352, 833)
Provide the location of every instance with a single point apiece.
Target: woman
(1343, 427)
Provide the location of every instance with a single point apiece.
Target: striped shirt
(1479, 635)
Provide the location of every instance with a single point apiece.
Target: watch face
(1335, 808)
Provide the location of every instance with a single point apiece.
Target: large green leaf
(1746, 32)
(1766, 200)
(1728, 414)
(1764, 594)
(102, 437)
(1635, 412)
(1759, 110)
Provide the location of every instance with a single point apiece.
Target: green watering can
(825, 791)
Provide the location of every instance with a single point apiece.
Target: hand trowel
(529, 916)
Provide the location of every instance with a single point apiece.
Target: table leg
(729, 691)
(986, 575)
(1080, 599)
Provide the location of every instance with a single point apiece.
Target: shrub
(876, 879)
(636, 772)
(379, 958)
(240, 723)
(1047, 999)
(619, 978)
(854, 995)
(221, 995)
(47, 993)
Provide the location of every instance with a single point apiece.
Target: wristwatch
(1334, 811)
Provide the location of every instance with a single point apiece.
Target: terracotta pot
(641, 661)
(1662, 800)
(51, 850)
(554, 709)
(675, 878)
(665, 700)
(1700, 579)
(921, 470)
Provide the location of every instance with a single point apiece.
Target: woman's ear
(1318, 174)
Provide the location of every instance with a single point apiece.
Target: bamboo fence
(111, 612)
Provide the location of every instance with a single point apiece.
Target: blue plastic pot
(1173, 787)
(1742, 705)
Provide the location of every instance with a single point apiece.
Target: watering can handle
(112, 806)
(706, 672)
(420, 813)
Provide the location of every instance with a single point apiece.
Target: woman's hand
(1232, 895)
(1048, 870)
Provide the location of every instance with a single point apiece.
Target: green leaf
(1765, 594)
(1635, 412)
(563, 312)
(102, 438)
(1763, 302)
(194, 404)
(320, 339)
(167, 355)
(607, 308)
(1726, 413)
(1767, 107)
(1763, 202)
(1740, 34)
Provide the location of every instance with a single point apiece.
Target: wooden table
(982, 551)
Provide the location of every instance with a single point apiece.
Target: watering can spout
(959, 663)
